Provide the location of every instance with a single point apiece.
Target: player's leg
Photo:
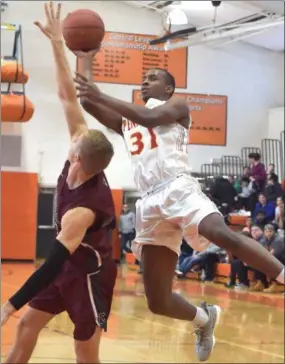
(29, 327)
(88, 351)
(42, 309)
(213, 228)
(159, 263)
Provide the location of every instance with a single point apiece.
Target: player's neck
(74, 180)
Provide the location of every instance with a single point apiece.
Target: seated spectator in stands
(248, 225)
(270, 169)
(246, 191)
(273, 189)
(272, 242)
(223, 192)
(267, 207)
(260, 219)
(205, 261)
(257, 172)
(246, 171)
(186, 251)
(279, 219)
(277, 248)
(239, 270)
(235, 183)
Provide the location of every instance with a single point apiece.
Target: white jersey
(156, 154)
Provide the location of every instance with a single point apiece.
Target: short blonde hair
(95, 151)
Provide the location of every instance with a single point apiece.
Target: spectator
(205, 261)
(279, 201)
(270, 169)
(223, 192)
(246, 171)
(276, 247)
(239, 270)
(260, 219)
(248, 225)
(279, 219)
(272, 242)
(246, 191)
(126, 229)
(235, 183)
(273, 189)
(186, 251)
(267, 207)
(257, 171)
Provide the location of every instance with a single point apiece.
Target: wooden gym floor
(251, 328)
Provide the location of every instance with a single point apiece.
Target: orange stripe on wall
(19, 215)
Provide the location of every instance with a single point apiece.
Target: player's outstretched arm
(66, 90)
(74, 225)
(105, 115)
(174, 110)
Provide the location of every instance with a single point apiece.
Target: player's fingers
(51, 10)
(81, 77)
(48, 16)
(42, 29)
(83, 94)
(81, 89)
(58, 11)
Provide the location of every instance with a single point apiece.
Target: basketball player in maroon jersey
(79, 274)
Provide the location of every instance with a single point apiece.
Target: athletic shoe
(205, 340)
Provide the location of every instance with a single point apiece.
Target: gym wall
(250, 77)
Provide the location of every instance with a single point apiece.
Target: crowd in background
(258, 195)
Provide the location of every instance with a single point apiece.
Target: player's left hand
(52, 29)
(86, 89)
(6, 311)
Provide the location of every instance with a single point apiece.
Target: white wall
(251, 78)
(275, 123)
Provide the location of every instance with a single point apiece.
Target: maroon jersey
(94, 194)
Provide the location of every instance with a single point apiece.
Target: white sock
(201, 317)
(280, 278)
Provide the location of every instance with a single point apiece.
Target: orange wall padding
(118, 201)
(19, 215)
(12, 72)
(16, 108)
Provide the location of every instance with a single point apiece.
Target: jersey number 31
(138, 144)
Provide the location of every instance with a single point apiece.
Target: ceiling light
(177, 17)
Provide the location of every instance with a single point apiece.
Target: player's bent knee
(27, 328)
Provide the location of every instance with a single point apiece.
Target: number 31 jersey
(158, 153)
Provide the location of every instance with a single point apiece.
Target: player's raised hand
(86, 89)
(6, 311)
(52, 28)
(90, 54)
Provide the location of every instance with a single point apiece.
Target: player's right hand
(6, 311)
(52, 29)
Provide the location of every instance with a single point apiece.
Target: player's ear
(169, 90)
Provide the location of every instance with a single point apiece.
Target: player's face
(154, 86)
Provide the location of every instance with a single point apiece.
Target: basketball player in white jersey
(172, 204)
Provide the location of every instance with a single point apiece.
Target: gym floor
(251, 328)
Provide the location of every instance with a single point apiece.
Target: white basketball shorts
(172, 210)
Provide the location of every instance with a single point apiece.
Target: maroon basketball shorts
(87, 298)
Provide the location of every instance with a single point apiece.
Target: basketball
(83, 30)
